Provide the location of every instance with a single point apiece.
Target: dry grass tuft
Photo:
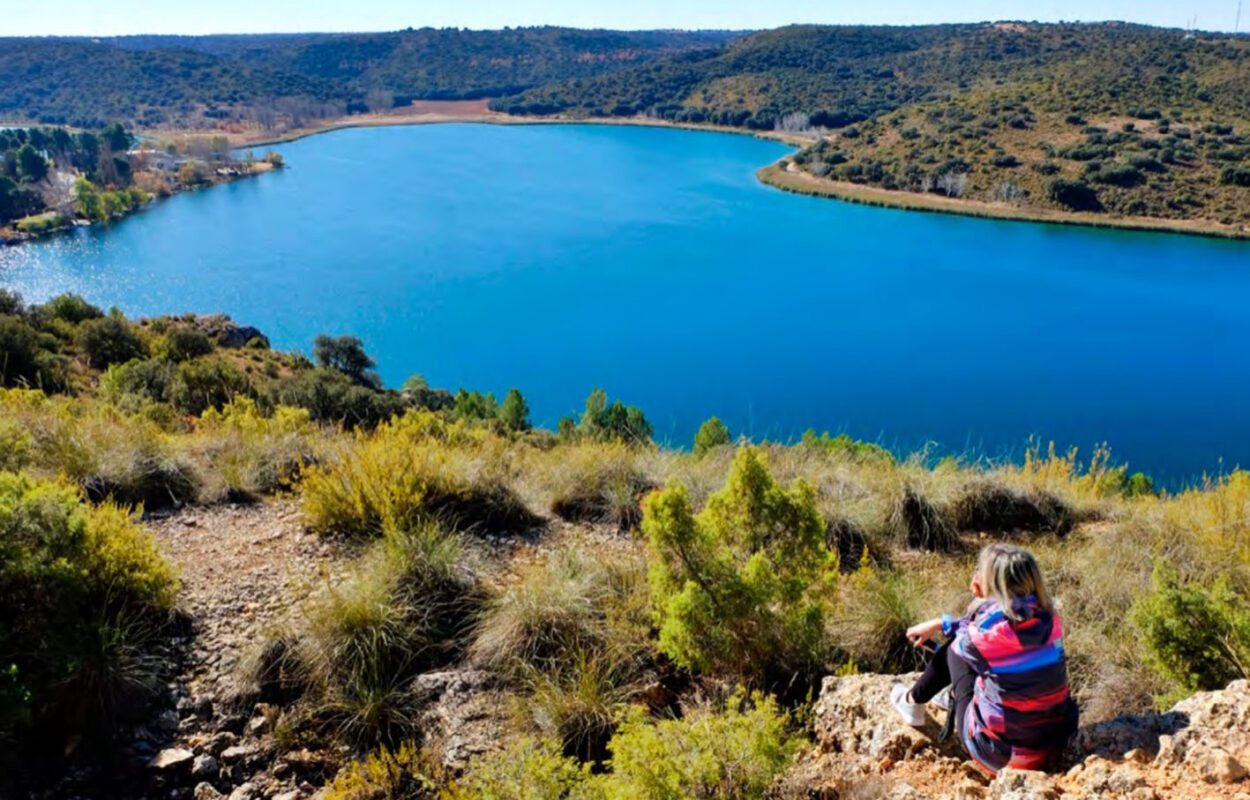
(921, 525)
(988, 506)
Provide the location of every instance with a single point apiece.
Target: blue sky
(93, 17)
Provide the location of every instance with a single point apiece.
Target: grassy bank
(799, 182)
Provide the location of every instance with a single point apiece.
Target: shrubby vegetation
(291, 80)
(83, 595)
(742, 587)
(611, 593)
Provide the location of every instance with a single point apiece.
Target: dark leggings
(947, 669)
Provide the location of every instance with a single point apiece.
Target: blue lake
(652, 263)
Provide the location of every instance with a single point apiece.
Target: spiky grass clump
(597, 482)
(573, 601)
(571, 632)
(405, 609)
(875, 609)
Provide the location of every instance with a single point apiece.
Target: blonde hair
(1009, 573)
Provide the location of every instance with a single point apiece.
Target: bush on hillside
(333, 398)
(707, 755)
(528, 769)
(202, 383)
(184, 343)
(1075, 195)
(1198, 638)
(246, 454)
(69, 308)
(83, 593)
(742, 587)
(107, 341)
(405, 773)
(397, 477)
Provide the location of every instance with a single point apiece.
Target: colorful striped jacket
(1021, 711)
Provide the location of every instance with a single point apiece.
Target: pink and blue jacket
(1021, 712)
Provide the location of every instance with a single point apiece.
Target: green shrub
(406, 773)
(109, 340)
(83, 592)
(843, 445)
(711, 434)
(332, 397)
(246, 454)
(201, 384)
(19, 352)
(69, 308)
(743, 586)
(734, 755)
(1075, 195)
(1196, 637)
(529, 769)
(184, 343)
(149, 379)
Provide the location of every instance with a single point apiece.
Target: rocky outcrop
(228, 333)
(1200, 749)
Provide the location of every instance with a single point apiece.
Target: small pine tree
(1196, 637)
(515, 413)
(742, 587)
(712, 434)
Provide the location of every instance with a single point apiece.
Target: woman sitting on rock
(1004, 664)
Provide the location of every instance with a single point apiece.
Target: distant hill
(1101, 118)
(161, 80)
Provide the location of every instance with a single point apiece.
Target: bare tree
(953, 184)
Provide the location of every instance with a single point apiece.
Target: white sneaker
(912, 713)
(943, 699)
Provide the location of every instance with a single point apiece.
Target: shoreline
(775, 176)
(245, 140)
(802, 183)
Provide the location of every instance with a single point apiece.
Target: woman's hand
(922, 632)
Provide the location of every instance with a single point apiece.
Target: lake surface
(652, 263)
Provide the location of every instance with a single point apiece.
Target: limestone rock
(172, 758)
(854, 717)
